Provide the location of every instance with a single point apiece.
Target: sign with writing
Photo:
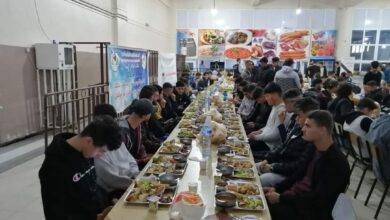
(127, 74)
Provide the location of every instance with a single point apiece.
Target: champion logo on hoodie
(78, 176)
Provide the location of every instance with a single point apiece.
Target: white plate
(248, 39)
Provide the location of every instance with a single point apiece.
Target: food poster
(323, 43)
(166, 68)
(264, 43)
(238, 44)
(250, 44)
(127, 74)
(211, 43)
(187, 40)
(294, 44)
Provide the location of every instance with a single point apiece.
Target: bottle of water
(207, 101)
(225, 96)
(206, 139)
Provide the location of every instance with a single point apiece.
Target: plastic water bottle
(225, 96)
(207, 101)
(206, 139)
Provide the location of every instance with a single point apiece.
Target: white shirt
(270, 133)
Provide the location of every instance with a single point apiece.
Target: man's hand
(272, 197)
(173, 97)
(262, 163)
(250, 125)
(268, 189)
(282, 117)
(267, 168)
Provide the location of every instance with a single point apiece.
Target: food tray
(170, 191)
(250, 172)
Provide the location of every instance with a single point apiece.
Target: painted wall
(24, 23)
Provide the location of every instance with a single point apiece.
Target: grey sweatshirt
(116, 169)
(287, 79)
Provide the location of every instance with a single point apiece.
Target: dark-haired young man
(182, 98)
(373, 74)
(268, 138)
(137, 113)
(115, 169)
(374, 92)
(281, 163)
(248, 103)
(287, 78)
(67, 175)
(259, 116)
(312, 191)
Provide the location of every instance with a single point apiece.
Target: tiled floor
(20, 194)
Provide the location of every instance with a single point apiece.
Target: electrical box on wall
(54, 56)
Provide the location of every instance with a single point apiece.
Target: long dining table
(193, 173)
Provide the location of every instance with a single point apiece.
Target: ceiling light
(384, 46)
(299, 10)
(214, 11)
(368, 22)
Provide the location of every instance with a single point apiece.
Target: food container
(193, 187)
(153, 203)
(225, 199)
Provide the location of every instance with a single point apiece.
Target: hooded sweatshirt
(116, 169)
(68, 183)
(287, 79)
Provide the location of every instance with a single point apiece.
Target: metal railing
(71, 110)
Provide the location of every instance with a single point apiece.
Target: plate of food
(185, 123)
(162, 159)
(142, 189)
(250, 203)
(211, 37)
(243, 173)
(238, 53)
(186, 133)
(243, 188)
(170, 147)
(155, 169)
(189, 115)
(243, 164)
(238, 37)
(189, 198)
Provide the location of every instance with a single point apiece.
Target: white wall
(63, 20)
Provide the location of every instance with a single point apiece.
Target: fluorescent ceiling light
(214, 12)
(298, 11)
(368, 22)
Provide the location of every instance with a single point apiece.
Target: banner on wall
(250, 44)
(211, 43)
(167, 68)
(323, 43)
(186, 42)
(294, 44)
(127, 74)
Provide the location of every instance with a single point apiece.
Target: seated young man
(281, 163)
(290, 97)
(149, 139)
(312, 191)
(169, 112)
(248, 103)
(67, 175)
(137, 113)
(268, 138)
(182, 98)
(259, 116)
(115, 169)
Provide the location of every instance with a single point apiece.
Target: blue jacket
(379, 135)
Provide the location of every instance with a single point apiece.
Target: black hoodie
(66, 195)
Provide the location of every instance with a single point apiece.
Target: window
(357, 37)
(384, 37)
(365, 67)
(368, 52)
(369, 37)
(356, 51)
(356, 67)
(384, 52)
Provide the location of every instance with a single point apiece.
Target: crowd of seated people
(289, 128)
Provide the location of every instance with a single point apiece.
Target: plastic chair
(378, 155)
(362, 155)
(343, 209)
